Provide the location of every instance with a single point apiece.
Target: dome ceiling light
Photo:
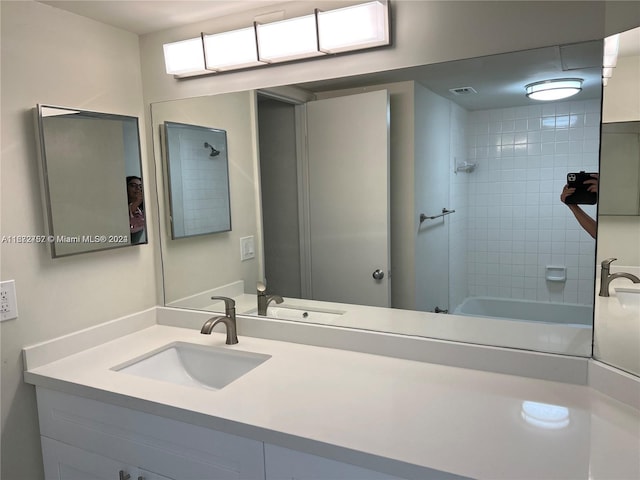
(556, 89)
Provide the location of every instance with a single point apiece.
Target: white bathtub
(528, 310)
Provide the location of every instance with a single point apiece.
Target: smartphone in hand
(582, 195)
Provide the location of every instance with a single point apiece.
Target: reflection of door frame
(302, 165)
(348, 139)
(307, 269)
(298, 100)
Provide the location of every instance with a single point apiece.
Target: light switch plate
(247, 248)
(8, 303)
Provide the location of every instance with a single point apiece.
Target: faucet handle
(229, 304)
(607, 261)
(262, 288)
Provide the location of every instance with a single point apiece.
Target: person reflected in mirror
(589, 224)
(136, 208)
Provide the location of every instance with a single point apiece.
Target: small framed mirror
(198, 177)
(91, 178)
(620, 169)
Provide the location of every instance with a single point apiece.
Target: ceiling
(498, 79)
(148, 16)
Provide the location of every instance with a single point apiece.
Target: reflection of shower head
(214, 152)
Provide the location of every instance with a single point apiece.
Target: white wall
(431, 184)
(200, 263)
(50, 56)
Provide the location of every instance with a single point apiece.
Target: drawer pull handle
(124, 476)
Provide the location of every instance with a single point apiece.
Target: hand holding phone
(581, 189)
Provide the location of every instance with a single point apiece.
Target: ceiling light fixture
(556, 89)
(610, 57)
(355, 27)
(231, 50)
(184, 57)
(348, 29)
(287, 40)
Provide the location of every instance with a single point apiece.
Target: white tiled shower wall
(516, 222)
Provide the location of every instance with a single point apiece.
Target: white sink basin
(193, 365)
(629, 298)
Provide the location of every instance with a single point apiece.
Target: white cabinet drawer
(175, 449)
(284, 464)
(64, 462)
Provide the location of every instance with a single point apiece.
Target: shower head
(214, 152)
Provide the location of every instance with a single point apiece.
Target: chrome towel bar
(424, 217)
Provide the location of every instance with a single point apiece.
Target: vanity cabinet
(64, 462)
(118, 438)
(284, 464)
(84, 439)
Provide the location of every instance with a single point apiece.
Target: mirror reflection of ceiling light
(544, 415)
(610, 57)
(556, 89)
(348, 29)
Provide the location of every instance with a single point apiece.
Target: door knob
(378, 274)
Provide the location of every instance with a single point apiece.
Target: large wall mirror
(433, 190)
(92, 180)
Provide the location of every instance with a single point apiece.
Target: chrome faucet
(229, 320)
(606, 277)
(264, 300)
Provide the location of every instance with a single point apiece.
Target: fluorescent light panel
(611, 45)
(346, 29)
(231, 50)
(354, 28)
(184, 57)
(288, 39)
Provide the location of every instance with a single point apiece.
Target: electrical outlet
(8, 303)
(247, 248)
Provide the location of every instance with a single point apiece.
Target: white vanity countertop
(617, 336)
(465, 422)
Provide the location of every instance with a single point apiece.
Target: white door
(348, 179)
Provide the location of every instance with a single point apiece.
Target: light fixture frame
(572, 86)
